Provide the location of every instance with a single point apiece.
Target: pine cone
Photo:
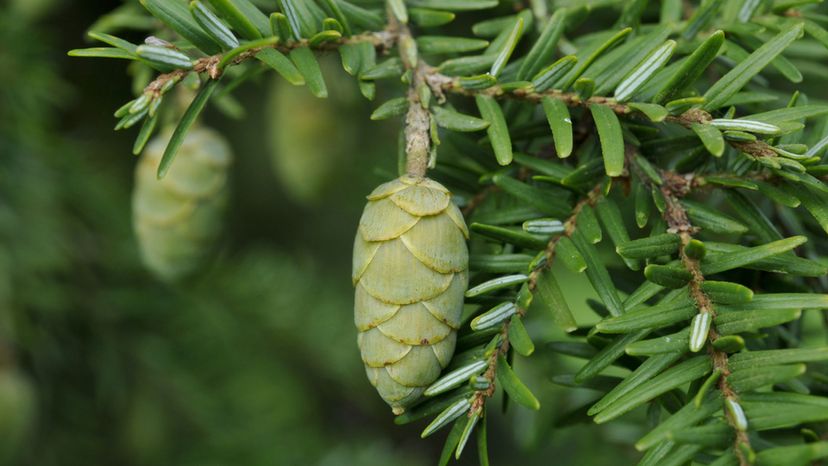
(178, 219)
(410, 270)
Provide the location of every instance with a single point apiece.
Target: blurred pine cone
(311, 143)
(178, 219)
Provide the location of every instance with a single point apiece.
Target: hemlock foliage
(660, 150)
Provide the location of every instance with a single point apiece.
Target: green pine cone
(410, 271)
(178, 219)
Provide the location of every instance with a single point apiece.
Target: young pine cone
(410, 270)
(178, 219)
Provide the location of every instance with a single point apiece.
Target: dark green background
(255, 361)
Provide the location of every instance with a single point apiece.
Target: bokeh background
(254, 362)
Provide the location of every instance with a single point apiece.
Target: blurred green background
(254, 362)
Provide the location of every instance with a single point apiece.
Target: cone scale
(410, 270)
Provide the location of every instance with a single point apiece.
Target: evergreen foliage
(654, 149)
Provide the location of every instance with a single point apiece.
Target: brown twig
(382, 40)
(571, 99)
(480, 396)
(417, 127)
(674, 187)
(569, 229)
(418, 143)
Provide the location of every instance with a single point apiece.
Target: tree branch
(382, 40)
(418, 144)
(423, 75)
(673, 188)
(571, 99)
(480, 396)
